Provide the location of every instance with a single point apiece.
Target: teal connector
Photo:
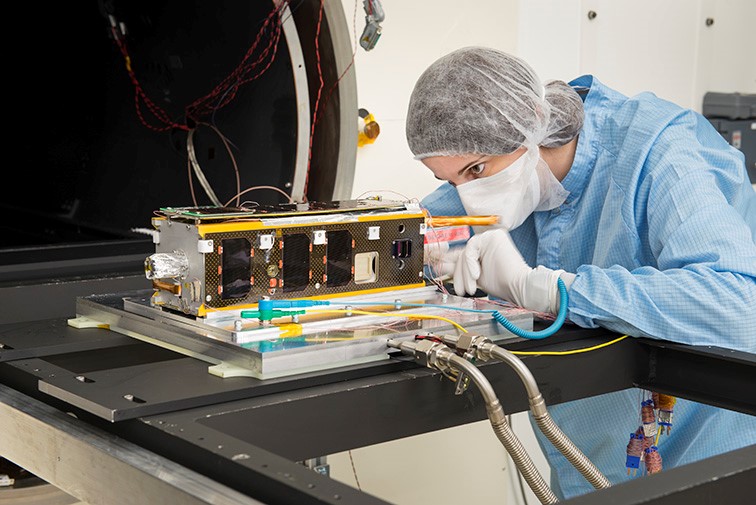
(265, 305)
(267, 315)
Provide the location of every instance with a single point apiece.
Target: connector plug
(426, 353)
(266, 305)
(268, 315)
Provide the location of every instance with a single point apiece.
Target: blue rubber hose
(546, 332)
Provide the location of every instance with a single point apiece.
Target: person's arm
(444, 201)
(703, 288)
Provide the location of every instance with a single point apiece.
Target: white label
(265, 242)
(423, 228)
(737, 139)
(374, 232)
(318, 237)
(649, 429)
(204, 246)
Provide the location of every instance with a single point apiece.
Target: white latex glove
(491, 262)
(441, 258)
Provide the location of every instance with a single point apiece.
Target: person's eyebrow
(475, 162)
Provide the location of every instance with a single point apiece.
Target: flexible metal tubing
(504, 432)
(520, 456)
(571, 452)
(547, 425)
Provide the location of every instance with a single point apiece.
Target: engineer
(639, 206)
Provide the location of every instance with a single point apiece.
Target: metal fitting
(496, 413)
(476, 346)
(473, 344)
(485, 349)
(464, 342)
(432, 354)
(426, 353)
(538, 406)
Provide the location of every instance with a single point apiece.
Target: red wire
(317, 100)
(324, 107)
(230, 94)
(139, 93)
(235, 79)
(226, 89)
(333, 87)
(429, 337)
(272, 44)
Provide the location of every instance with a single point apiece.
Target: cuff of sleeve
(540, 292)
(567, 278)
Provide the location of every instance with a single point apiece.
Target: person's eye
(478, 169)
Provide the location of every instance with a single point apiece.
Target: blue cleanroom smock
(660, 230)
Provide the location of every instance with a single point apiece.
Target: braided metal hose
(571, 452)
(504, 432)
(544, 421)
(528, 470)
(439, 356)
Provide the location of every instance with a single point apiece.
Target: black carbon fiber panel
(274, 270)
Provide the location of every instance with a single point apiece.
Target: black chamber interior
(88, 169)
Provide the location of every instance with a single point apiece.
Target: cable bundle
(655, 415)
(254, 64)
(665, 404)
(653, 460)
(648, 418)
(634, 452)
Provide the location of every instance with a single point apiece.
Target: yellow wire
(369, 313)
(564, 353)
(658, 433)
(331, 339)
(442, 221)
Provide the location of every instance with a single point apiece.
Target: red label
(447, 234)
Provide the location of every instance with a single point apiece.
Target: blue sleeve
(444, 201)
(687, 206)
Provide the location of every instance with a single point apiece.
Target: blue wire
(498, 316)
(546, 332)
(404, 304)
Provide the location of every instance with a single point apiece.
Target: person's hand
(441, 258)
(491, 262)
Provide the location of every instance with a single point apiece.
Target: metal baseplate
(349, 330)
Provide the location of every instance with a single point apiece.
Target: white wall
(727, 48)
(633, 45)
(664, 46)
(415, 33)
(548, 37)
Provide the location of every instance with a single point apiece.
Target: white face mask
(526, 186)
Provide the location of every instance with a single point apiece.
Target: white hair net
(478, 100)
